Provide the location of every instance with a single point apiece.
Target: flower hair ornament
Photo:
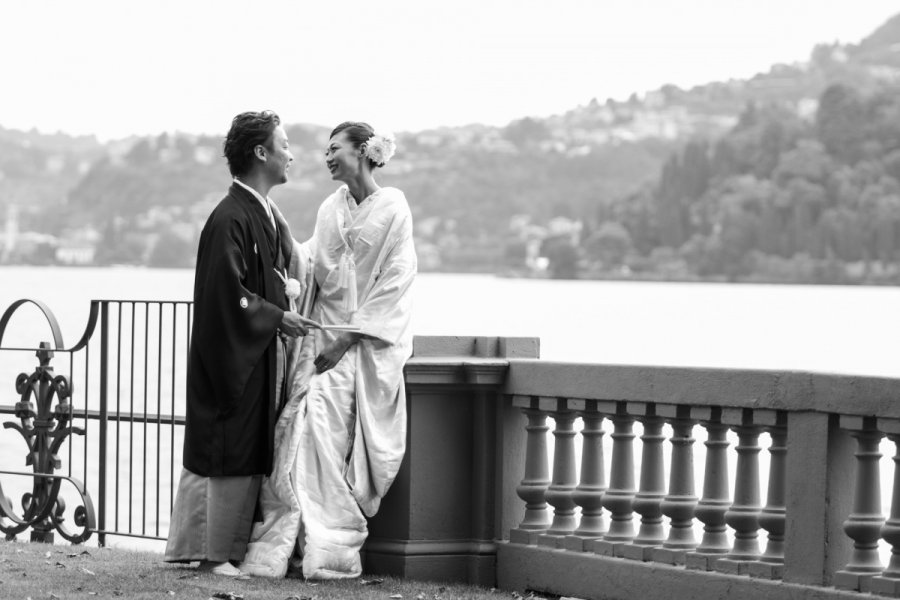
(380, 148)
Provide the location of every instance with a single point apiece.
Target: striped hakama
(212, 518)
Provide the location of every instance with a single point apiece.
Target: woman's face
(342, 159)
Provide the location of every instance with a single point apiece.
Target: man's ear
(260, 151)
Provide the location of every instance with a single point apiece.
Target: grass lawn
(49, 572)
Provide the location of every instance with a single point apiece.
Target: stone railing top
(738, 388)
(470, 361)
(476, 346)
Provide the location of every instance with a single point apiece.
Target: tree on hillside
(883, 124)
(807, 160)
(562, 255)
(526, 131)
(891, 163)
(672, 205)
(840, 123)
(608, 245)
(171, 250)
(636, 212)
(808, 200)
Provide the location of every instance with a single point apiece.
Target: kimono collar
(264, 201)
(351, 202)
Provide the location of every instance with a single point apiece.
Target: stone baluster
(562, 485)
(888, 583)
(534, 484)
(620, 494)
(715, 501)
(863, 525)
(652, 490)
(773, 516)
(680, 503)
(589, 493)
(743, 514)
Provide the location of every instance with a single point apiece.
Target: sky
(114, 68)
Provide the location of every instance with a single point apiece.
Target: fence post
(104, 416)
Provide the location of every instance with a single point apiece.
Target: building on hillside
(10, 232)
(78, 247)
(29, 247)
(75, 253)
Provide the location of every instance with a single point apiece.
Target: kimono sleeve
(234, 323)
(385, 312)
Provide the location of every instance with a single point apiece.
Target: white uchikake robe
(341, 437)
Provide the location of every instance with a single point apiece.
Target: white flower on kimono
(291, 287)
(380, 148)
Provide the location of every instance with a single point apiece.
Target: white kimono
(341, 437)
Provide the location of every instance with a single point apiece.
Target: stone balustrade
(816, 536)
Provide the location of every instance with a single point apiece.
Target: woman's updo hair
(358, 133)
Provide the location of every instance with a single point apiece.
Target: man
(234, 368)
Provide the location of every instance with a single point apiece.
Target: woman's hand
(334, 351)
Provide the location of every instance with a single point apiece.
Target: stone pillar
(743, 514)
(863, 525)
(716, 500)
(680, 503)
(562, 486)
(648, 500)
(620, 495)
(818, 497)
(464, 457)
(772, 518)
(533, 488)
(589, 493)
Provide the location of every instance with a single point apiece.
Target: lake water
(845, 329)
(829, 329)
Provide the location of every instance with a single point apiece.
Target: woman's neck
(362, 187)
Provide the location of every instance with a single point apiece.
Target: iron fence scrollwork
(44, 428)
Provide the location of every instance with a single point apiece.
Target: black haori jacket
(239, 302)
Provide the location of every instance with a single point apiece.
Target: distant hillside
(540, 196)
(778, 198)
(882, 47)
(800, 190)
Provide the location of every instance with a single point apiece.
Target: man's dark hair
(248, 130)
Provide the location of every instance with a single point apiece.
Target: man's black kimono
(239, 303)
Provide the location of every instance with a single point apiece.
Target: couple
(297, 420)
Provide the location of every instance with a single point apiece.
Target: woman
(341, 437)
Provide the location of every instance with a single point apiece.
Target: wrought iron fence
(126, 378)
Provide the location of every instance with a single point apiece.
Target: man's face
(278, 156)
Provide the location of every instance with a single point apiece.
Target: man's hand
(293, 324)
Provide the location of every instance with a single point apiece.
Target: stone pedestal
(455, 492)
